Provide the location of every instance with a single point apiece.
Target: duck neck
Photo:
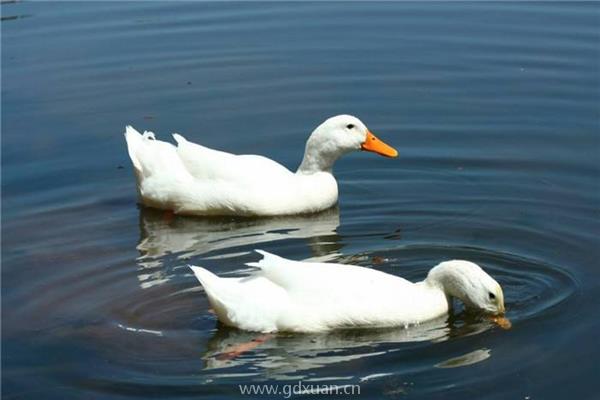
(447, 279)
(319, 156)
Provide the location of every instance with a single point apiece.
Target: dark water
(494, 108)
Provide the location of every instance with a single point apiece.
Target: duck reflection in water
(166, 238)
(283, 355)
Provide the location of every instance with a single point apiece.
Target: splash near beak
(502, 322)
(377, 146)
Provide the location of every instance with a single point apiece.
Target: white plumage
(285, 295)
(193, 179)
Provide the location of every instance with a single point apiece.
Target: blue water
(494, 108)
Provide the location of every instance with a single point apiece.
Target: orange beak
(501, 321)
(377, 146)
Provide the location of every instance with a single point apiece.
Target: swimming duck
(193, 179)
(294, 296)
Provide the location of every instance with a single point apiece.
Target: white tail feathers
(130, 130)
(134, 141)
(216, 289)
(268, 260)
(204, 276)
(179, 139)
(148, 135)
(152, 157)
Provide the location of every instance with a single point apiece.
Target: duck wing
(322, 296)
(209, 164)
(327, 278)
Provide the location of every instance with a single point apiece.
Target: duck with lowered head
(193, 179)
(286, 295)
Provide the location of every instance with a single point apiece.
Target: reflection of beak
(372, 143)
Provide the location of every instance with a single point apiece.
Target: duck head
(469, 283)
(337, 136)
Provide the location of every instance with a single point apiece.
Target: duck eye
(492, 296)
(350, 126)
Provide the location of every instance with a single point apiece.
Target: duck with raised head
(294, 296)
(196, 180)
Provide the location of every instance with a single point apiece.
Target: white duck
(296, 296)
(193, 179)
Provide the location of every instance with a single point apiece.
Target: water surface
(492, 106)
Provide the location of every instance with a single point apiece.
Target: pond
(493, 108)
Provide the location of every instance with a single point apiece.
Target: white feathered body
(192, 179)
(287, 295)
